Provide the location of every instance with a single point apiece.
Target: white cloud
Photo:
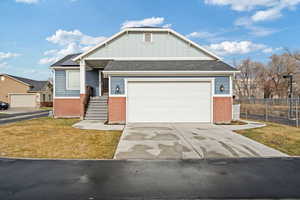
(153, 21)
(254, 30)
(208, 36)
(167, 26)
(8, 55)
(264, 9)
(271, 50)
(27, 1)
(269, 14)
(242, 5)
(237, 47)
(201, 35)
(69, 42)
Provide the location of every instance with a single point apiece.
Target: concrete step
(96, 114)
(97, 108)
(96, 117)
(96, 111)
(98, 104)
(94, 102)
(104, 102)
(91, 118)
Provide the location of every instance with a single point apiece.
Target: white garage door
(169, 101)
(22, 100)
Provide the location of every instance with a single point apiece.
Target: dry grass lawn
(281, 137)
(56, 138)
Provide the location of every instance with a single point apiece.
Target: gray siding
(92, 79)
(219, 80)
(60, 85)
(222, 80)
(133, 45)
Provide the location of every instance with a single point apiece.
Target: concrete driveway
(187, 141)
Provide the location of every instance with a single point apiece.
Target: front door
(104, 86)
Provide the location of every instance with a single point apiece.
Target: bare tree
(247, 82)
(278, 66)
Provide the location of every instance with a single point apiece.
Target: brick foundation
(117, 110)
(66, 108)
(222, 109)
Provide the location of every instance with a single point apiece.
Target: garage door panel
(169, 102)
(22, 100)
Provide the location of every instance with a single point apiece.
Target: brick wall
(222, 109)
(66, 107)
(117, 110)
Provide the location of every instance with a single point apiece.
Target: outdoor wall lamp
(117, 89)
(222, 88)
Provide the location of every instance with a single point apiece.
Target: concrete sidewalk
(154, 141)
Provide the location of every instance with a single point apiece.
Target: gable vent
(147, 37)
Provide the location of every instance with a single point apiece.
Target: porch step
(97, 108)
(96, 117)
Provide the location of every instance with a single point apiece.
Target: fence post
(297, 116)
(266, 109)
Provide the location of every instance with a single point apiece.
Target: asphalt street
(5, 119)
(254, 178)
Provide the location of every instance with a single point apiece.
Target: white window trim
(117, 95)
(67, 80)
(151, 37)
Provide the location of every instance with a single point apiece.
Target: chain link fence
(284, 111)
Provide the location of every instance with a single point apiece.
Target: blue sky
(35, 33)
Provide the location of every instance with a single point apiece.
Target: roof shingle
(67, 61)
(169, 65)
(34, 84)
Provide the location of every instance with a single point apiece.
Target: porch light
(222, 88)
(117, 89)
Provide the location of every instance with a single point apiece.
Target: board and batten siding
(132, 44)
(92, 79)
(219, 80)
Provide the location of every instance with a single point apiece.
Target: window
(73, 80)
(44, 97)
(147, 37)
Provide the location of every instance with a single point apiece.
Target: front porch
(93, 91)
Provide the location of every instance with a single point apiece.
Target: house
(23, 92)
(144, 75)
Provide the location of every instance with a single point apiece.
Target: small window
(44, 97)
(73, 80)
(148, 37)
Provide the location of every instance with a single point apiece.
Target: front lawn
(56, 138)
(281, 137)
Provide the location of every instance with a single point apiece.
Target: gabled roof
(67, 61)
(169, 65)
(149, 29)
(33, 84)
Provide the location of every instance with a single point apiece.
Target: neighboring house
(23, 92)
(144, 75)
